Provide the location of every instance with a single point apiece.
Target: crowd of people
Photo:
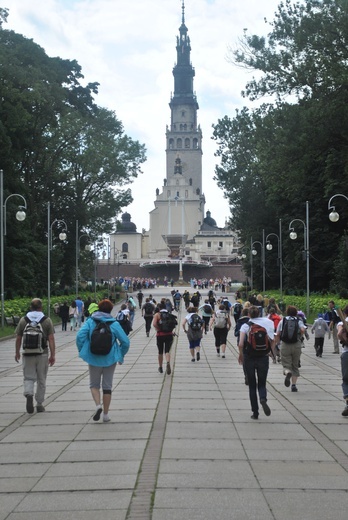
(261, 330)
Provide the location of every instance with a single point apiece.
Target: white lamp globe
(21, 215)
(293, 235)
(334, 216)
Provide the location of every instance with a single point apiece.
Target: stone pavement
(178, 447)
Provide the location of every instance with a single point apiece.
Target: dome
(209, 220)
(127, 226)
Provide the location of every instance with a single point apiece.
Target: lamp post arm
(4, 207)
(337, 195)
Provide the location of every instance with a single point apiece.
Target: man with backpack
(237, 310)
(164, 322)
(290, 331)
(194, 331)
(207, 311)
(147, 311)
(102, 344)
(319, 329)
(35, 335)
(255, 345)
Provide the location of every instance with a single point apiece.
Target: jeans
(256, 366)
(344, 368)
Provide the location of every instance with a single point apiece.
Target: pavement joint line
(145, 487)
(261, 489)
(328, 445)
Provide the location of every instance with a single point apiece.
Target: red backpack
(258, 341)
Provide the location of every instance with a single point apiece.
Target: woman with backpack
(102, 343)
(194, 331)
(221, 323)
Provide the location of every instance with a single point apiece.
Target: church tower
(179, 208)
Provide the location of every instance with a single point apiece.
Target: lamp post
(254, 252)
(243, 257)
(334, 216)
(78, 247)
(269, 247)
(20, 216)
(62, 236)
(293, 236)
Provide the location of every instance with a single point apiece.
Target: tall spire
(183, 71)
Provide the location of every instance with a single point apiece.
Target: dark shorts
(164, 344)
(220, 336)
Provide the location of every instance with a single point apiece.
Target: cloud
(129, 48)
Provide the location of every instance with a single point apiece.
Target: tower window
(209, 244)
(221, 244)
(171, 144)
(124, 247)
(187, 142)
(179, 143)
(195, 143)
(183, 113)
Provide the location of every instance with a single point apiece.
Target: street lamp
(254, 252)
(293, 236)
(62, 236)
(20, 216)
(334, 216)
(78, 247)
(269, 247)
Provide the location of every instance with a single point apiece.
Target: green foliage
(278, 156)
(57, 145)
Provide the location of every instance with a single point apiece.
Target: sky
(130, 49)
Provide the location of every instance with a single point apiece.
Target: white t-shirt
(264, 322)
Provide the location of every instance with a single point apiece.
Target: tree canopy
(294, 148)
(57, 145)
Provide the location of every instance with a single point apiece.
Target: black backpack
(148, 308)
(167, 322)
(237, 309)
(290, 330)
(101, 338)
(33, 339)
(195, 322)
(207, 309)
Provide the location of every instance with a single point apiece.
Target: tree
(58, 146)
(281, 154)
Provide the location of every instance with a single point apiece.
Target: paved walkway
(178, 447)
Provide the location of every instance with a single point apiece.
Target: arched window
(171, 144)
(179, 143)
(195, 143)
(187, 142)
(124, 247)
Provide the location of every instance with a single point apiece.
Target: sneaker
(30, 403)
(218, 354)
(198, 356)
(345, 411)
(223, 356)
(168, 369)
(287, 379)
(40, 408)
(160, 370)
(265, 407)
(254, 416)
(98, 413)
(294, 388)
(106, 417)
(193, 360)
(246, 380)
(147, 334)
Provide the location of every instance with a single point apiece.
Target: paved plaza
(178, 447)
